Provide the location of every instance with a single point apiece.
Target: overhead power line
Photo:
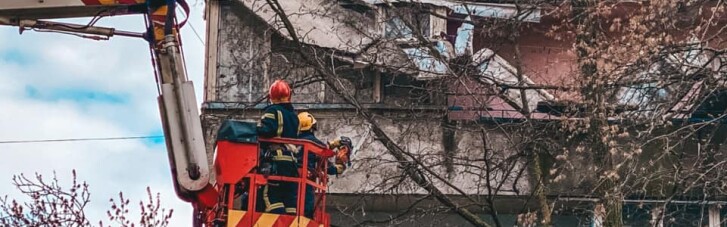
(193, 29)
(80, 139)
(196, 34)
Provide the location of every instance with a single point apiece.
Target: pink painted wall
(545, 60)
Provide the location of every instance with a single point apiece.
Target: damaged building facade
(389, 59)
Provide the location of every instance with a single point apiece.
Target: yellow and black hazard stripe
(239, 218)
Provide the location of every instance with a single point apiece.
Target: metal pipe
(67, 27)
(129, 34)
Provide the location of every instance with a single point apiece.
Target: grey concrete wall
(374, 170)
(243, 56)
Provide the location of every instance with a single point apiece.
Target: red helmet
(279, 92)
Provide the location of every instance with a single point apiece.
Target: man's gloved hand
(333, 144)
(343, 141)
(340, 168)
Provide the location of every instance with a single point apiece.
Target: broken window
(402, 22)
(428, 65)
(643, 94)
(647, 95)
(655, 84)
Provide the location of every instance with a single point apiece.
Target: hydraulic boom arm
(177, 103)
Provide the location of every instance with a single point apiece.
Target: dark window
(402, 90)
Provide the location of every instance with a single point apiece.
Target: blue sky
(55, 86)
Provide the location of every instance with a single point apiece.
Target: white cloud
(50, 64)
(108, 166)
